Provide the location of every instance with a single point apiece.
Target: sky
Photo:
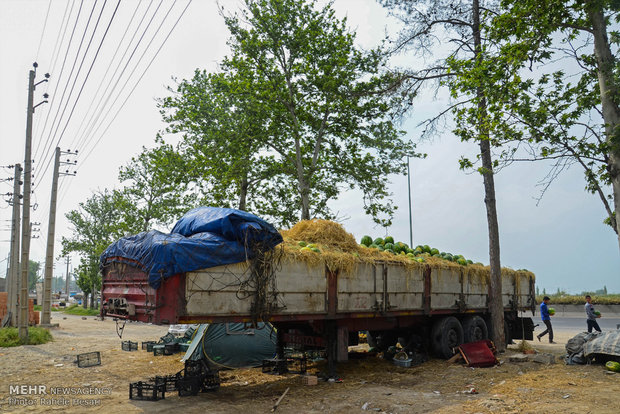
(561, 238)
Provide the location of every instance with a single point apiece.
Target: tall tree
(531, 29)
(154, 194)
(323, 103)
(33, 275)
(428, 24)
(98, 222)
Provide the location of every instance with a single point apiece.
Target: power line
(73, 144)
(49, 138)
(55, 58)
(84, 138)
(141, 76)
(49, 6)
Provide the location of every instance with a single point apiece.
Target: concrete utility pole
(67, 278)
(13, 284)
(25, 254)
(49, 256)
(49, 253)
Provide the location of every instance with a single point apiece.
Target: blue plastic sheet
(204, 237)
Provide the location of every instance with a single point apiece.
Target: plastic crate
(170, 349)
(405, 363)
(158, 350)
(147, 391)
(184, 347)
(129, 346)
(148, 344)
(89, 359)
(189, 386)
(170, 381)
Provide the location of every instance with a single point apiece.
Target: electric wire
(77, 18)
(84, 138)
(138, 81)
(92, 102)
(89, 69)
(49, 6)
(58, 78)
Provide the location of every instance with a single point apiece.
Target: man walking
(546, 318)
(592, 315)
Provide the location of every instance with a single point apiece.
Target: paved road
(578, 324)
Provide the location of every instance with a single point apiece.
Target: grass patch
(10, 337)
(564, 299)
(40, 308)
(79, 310)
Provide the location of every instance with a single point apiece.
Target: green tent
(232, 345)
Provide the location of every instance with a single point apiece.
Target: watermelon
(378, 241)
(597, 313)
(418, 250)
(373, 246)
(315, 249)
(366, 241)
(551, 311)
(470, 261)
(426, 248)
(306, 249)
(613, 366)
(461, 261)
(420, 259)
(388, 246)
(311, 245)
(434, 252)
(302, 243)
(389, 239)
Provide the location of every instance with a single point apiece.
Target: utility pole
(49, 253)
(67, 278)
(25, 254)
(49, 256)
(13, 284)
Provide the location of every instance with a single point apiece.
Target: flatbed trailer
(315, 307)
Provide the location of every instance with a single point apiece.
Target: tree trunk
(609, 99)
(496, 308)
(85, 301)
(243, 193)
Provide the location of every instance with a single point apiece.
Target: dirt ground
(369, 384)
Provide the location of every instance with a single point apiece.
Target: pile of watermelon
(419, 253)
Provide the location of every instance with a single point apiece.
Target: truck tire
(474, 329)
(446, 335)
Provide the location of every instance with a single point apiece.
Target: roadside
(368, 382)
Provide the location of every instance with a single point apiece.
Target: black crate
(171, 348)
(211, 381)
(158, 350)
(294, 365)
(167, 338)
(148, 344)
(147, 391)
(189, 386)
(169, 381)
(129, 346)
(89, 359)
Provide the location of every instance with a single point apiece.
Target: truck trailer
(316, 304)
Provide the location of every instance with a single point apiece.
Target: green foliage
(154, 191)
(297, 114)
(33, 274)
(77, 310)
(9, 337)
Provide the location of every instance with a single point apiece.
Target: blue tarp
(204, 237)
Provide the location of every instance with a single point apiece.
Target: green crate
(158, 350)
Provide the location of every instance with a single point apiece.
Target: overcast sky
(562, 240)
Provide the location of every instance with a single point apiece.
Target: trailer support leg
(281, 366)
(332, 348)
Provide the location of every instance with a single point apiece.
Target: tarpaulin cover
(607, 343)
(233, 345)
(204, 237)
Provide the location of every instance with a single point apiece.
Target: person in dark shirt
(546, 318)
(592, 315)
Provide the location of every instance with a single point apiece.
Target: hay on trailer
(340, 252)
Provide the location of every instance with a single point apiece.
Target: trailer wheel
(447, 334)
(474, 329)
